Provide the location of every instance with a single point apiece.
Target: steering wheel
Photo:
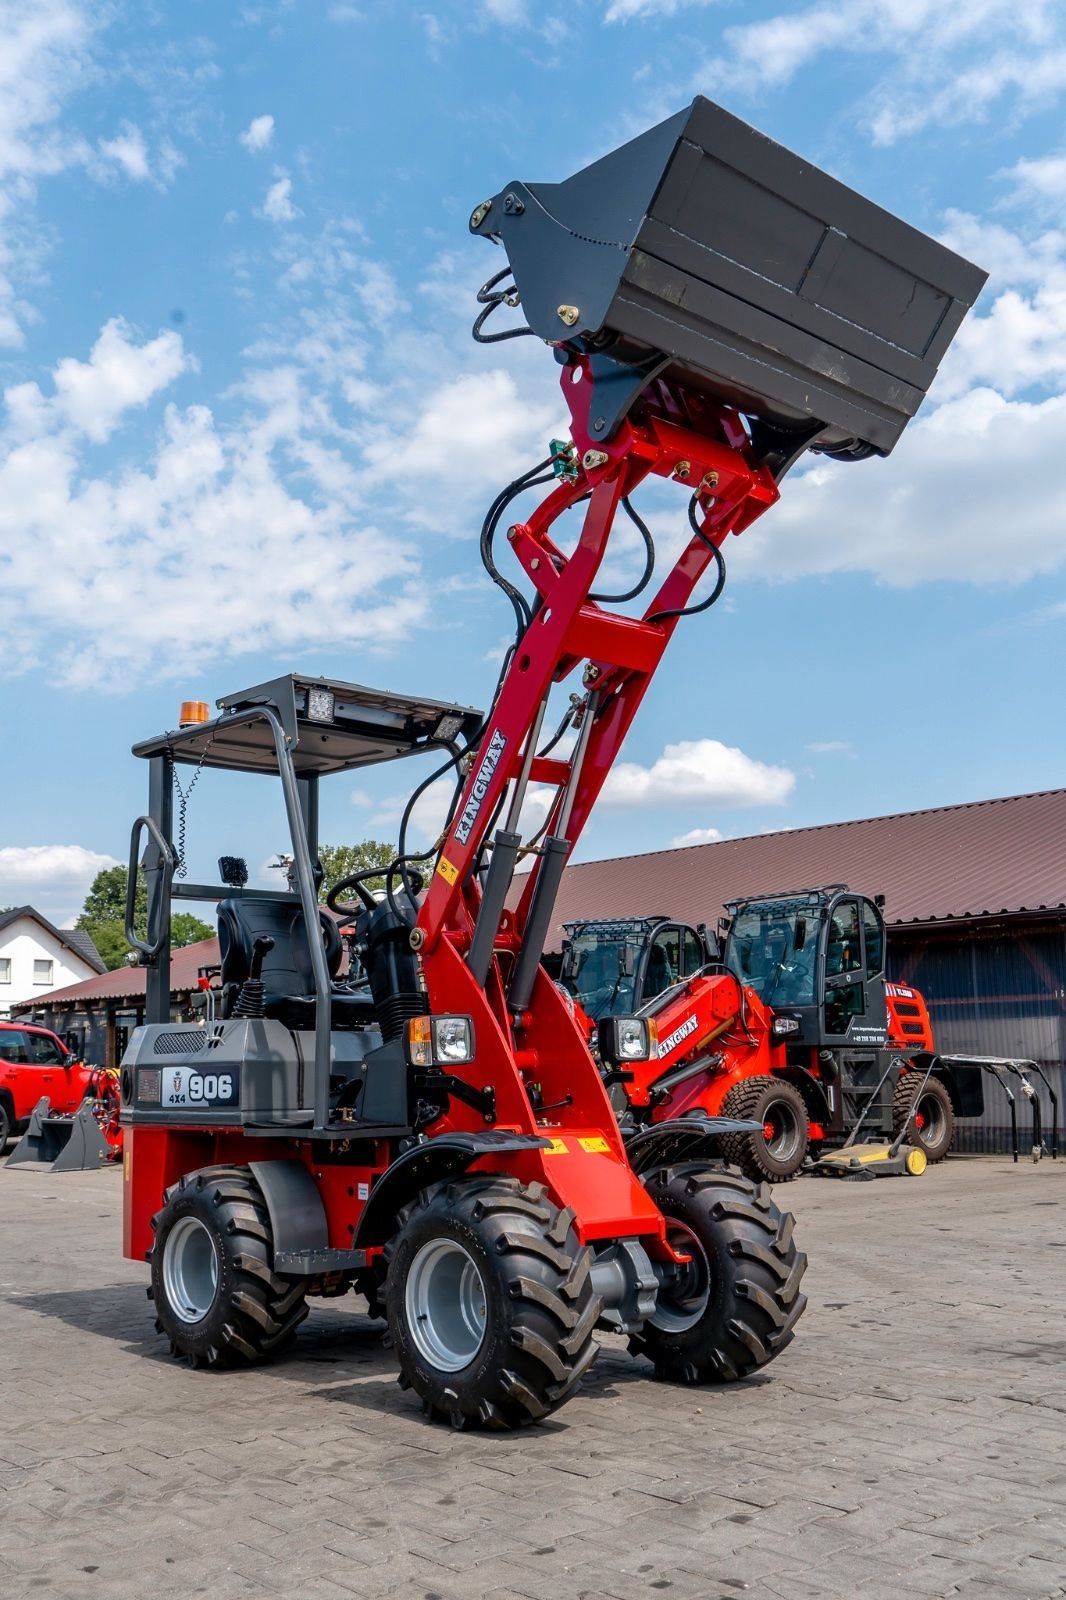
(356, 881)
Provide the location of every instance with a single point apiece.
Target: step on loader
(429, 1126)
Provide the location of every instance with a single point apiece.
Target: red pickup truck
(34, 1063)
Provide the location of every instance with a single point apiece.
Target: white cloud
(53, 878)
(511, 13)
(698, 769)
(278, 206)
(828, 747)
(1043, 176)
(119, 374)
(632, 10)
(479, 428)
(258, 134)
(129, 151)
(946, 63)
(695, 836)
(945, 505)
(202, 551)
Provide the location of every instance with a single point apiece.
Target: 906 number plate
(183, 1087)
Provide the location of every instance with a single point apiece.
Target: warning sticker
(596, 1146)
(446, 870)
(557, 1147)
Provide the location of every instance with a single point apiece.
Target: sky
(244, 429)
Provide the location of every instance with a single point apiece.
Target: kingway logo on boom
(477, 794)
(672, 1040)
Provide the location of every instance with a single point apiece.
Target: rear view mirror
(799, 938)
(626, 961)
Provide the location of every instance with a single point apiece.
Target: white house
(36, 957)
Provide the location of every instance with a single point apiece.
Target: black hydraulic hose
(649, 558)
(715, 594)
(529, 480)
(492, 298)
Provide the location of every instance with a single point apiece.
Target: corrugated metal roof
(985, 858)
(128, 983)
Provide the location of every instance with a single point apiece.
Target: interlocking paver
(912, 1442)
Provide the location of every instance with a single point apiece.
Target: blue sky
(244, 428)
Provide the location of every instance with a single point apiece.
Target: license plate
(184, 1087)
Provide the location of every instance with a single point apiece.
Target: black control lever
(251, 1002)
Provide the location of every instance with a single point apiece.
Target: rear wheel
(776, 1152)
(932, 1127)
(491, 1311)
(735, 1305)
(5, 1127)
(217, 1296)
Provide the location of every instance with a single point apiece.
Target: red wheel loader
(439, 1137)
(788, 1021)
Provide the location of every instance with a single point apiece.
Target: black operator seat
(288, 979)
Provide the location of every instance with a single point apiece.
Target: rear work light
(440, 1041)
(622, 1039)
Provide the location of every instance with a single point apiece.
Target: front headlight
(439, 1041)
(453, 1039)
(624, 1039)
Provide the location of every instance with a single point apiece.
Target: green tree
(341, 860)
(103, 917)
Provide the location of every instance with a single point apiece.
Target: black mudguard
(682, 1139)
(434, 1161)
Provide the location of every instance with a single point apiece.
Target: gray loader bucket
(704, 252)
(55, 1143)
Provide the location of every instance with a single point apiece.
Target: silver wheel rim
(785, 1143)
(446, 1305)
(190, 1269)
(932, 1114)
(690, 1292)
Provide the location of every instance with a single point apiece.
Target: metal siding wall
(994, 995)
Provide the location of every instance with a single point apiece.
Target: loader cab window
(772, 948)
(844, 999)
(875, 941)
(664, 963)
(843, 950)
(599, 969)
(692, 956)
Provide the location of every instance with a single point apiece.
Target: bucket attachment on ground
(705, 253)
(57, 1143)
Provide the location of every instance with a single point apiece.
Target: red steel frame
(704, 447)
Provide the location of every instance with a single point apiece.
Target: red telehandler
(440, 1138)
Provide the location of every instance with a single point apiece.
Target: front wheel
(932, 1127)
(777, 1150)
(217, 1296)
(734, 1307)
(492, 1312)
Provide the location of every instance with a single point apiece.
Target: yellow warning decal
(446, 870)
(557, 1147)
(596, 1146)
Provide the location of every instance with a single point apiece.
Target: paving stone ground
(911, 1442)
